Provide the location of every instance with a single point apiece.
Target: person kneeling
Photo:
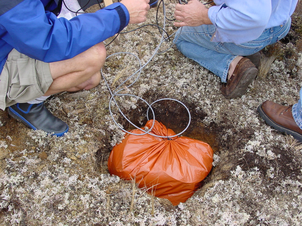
(42, 54)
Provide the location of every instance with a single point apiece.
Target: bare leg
(80, 72)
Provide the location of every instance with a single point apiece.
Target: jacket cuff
(123, 13)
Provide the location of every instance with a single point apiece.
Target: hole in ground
(174, 116)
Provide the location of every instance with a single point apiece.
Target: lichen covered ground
(256, 177)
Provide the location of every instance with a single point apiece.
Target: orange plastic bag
(167, 168)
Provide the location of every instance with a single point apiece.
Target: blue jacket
(30, 27)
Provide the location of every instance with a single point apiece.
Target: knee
(98, 56)
(95, 80)
(93, 59)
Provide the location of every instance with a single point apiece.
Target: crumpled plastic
(169, 168)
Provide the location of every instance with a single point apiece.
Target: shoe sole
(20, 118)
(244, 82)
(282, 129)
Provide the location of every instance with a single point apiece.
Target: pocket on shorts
(23, 85)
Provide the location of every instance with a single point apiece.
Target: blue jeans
(297, 111)
(195, 43)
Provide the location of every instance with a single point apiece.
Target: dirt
(256, 175)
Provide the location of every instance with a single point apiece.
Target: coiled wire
(117, 92)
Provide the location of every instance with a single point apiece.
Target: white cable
(189, 114)
(117, 91)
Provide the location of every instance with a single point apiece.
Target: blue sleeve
(43, 36)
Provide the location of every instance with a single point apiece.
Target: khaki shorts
(23, 79)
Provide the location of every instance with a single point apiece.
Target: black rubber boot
(38, 117)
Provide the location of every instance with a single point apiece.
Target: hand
(192, 14)
(137, 9)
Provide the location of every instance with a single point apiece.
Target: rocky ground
(256, 177)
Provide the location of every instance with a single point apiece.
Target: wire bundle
(119, 91)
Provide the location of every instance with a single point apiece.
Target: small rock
(73, 157)
(3, 154)
(43, 155)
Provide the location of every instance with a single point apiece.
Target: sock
(233, 65)
(38, 100)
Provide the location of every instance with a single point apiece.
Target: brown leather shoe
(255, 58)
(281, 118)
(244, 73)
